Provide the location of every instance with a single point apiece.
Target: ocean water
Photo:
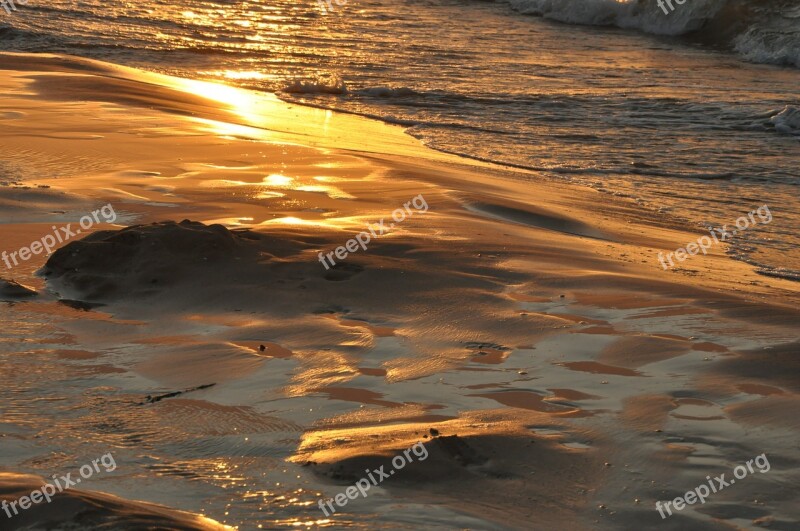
(694, 114)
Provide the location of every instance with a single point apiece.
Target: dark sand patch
(204, 418)
(181, 366)
(367, 371)
(633, 352)
(779, 365)
(76, 354)
(572, 394)
(361, 396)
(647, 413)
(769, 411)
(530, 400)
(539, 218)
(707, 346)
(523, 297)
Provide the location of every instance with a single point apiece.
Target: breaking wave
(761, 31)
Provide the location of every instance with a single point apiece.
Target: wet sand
(569, 379)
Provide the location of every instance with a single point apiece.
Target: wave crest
(762, 31)
(787, 120)
(320, 84)
(632, 14)
(766, 45)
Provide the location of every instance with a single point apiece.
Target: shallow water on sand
(78, 386)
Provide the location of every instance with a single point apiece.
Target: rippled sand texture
(522, 329)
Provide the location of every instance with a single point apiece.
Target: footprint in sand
(341, 272)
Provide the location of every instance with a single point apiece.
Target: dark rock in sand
(10, 290)
(80, 305)
(137, 260)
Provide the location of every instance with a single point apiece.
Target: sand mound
(497, 465)
(137, 260)
(90, 510)
(500, 471)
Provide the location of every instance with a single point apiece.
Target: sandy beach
(519, 327)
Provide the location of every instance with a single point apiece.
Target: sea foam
(762, 32)
(633, 14)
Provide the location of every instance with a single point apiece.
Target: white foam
(772, 33)
(787, 120)
(762, 45)
(322, 84)
(631, 14)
